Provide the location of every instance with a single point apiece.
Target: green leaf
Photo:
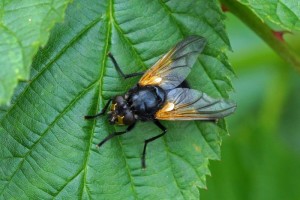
(284, 13)
(49, 150)
(24, 27)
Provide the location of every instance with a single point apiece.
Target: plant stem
(263, 31)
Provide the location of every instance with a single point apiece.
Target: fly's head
(120, 113)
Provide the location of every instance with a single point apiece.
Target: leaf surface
(49, 150)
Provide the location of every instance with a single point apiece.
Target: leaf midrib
(99, 99)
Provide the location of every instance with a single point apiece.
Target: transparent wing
(189, 104)
(173, 68)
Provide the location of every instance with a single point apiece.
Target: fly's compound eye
(129, 118)
(126, 119)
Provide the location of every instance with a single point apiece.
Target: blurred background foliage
(261, 158)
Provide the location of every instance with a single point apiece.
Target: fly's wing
(189, 104)
(173, 68)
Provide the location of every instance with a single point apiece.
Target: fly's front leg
(100, 113)
(129, 128)
(125, 76)
(159, 125)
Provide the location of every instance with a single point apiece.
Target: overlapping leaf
(284, 13)
(48, 149)
(24, 27)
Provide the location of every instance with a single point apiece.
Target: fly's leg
(100, 113)
(125, 76)
(129, 128)
(159, 125)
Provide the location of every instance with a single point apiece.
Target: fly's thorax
(145, 101)
(120, 113)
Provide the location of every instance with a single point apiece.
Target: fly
(159, 96)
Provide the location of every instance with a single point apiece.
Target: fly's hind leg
(159, 125)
